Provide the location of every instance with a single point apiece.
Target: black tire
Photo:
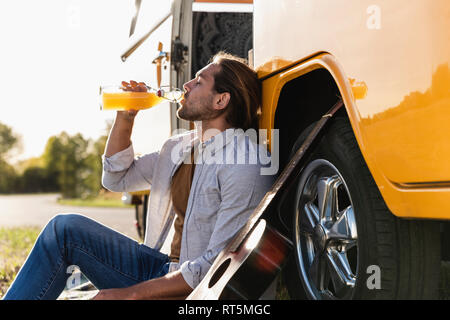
(406, 252)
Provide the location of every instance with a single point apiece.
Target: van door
(203, 28)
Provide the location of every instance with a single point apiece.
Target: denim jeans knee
(61, 228)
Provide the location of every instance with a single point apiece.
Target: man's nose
(187, 85)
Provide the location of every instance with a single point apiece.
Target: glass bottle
(136, 97)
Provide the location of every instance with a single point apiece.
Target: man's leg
(107, 258)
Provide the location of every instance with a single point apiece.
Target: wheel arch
(309, 107)
(314, 85)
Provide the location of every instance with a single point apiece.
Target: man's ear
(222, 100)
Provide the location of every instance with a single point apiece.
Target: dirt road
(37, 210)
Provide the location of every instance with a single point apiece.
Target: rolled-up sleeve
(192, 271)
(242, 188)
(123, 172)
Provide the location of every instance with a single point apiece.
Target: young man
(203, 182)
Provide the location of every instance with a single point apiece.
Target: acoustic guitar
(252, 260)
(247, 272)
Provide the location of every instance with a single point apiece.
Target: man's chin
(181, 114)
(189, 113)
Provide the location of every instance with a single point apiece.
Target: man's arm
(120, 136)
(121, 171)
(170, 286)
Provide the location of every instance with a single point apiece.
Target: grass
(104, 199)
(15, 245)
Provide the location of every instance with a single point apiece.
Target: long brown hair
(237, 78)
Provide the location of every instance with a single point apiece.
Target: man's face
(200, 98)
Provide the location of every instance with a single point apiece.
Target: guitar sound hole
(219, 272)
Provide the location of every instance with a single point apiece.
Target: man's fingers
(134, 86)
(125, 86)
(142, 87)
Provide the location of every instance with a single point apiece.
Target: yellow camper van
(369, 212)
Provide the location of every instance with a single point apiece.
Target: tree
(74, 171)
(35, 179)
(8, 140)
(8, 176)
(70, 165)
(52, 157)
(73, 165)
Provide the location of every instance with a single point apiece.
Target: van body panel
(398, 53)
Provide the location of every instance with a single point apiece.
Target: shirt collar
(220, 140)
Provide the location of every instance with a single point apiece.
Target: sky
(54, 56)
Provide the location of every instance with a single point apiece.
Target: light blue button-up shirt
(228, 184)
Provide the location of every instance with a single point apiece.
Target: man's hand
(114, 294)
(134, 87)
(169, 287)
(119, 137)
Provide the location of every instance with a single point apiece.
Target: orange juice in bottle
(119, 98)
(129, 100)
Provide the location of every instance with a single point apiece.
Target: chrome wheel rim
(325, 232)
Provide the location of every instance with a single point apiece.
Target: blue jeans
(107, 258)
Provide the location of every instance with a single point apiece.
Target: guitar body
(247, 272)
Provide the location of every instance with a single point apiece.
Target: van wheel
(348, 245)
